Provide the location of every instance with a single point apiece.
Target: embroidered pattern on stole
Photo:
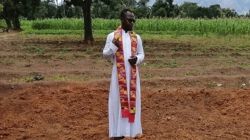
(127, 104)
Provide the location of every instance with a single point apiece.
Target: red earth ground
(187, 92)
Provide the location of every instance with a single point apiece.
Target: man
(124, 48)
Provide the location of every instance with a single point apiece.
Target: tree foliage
(142, 10)
(12, 9)
(163, 8)
(192, 10)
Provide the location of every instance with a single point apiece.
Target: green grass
(143, 26)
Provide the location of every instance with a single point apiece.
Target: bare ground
(57, 88)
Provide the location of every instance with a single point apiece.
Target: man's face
(128, 21)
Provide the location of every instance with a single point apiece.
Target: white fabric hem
(126, 135)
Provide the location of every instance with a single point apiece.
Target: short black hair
(124, 11)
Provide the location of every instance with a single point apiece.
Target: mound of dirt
(79, 111)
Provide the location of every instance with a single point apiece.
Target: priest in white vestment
(127, 40)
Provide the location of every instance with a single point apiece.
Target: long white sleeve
(140, 51)
(109, 49)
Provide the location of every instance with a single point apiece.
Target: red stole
(127, 104)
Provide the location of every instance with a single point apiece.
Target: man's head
(127, 19)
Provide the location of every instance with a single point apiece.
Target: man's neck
(125, 29)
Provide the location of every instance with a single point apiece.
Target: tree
(202, 12)
(11, 13)
(215, 11)
(128, 3)
(176, 10)
(86, 8)
(101, 10)
(226, 12)
(29, 8)
(51, 8)
(111, 8)
(115, 6)
(12, 9)
(60, 11)
(142, 10)
(189, 9)
(42, 11)
(163, 8)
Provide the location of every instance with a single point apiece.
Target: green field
(143, 26)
